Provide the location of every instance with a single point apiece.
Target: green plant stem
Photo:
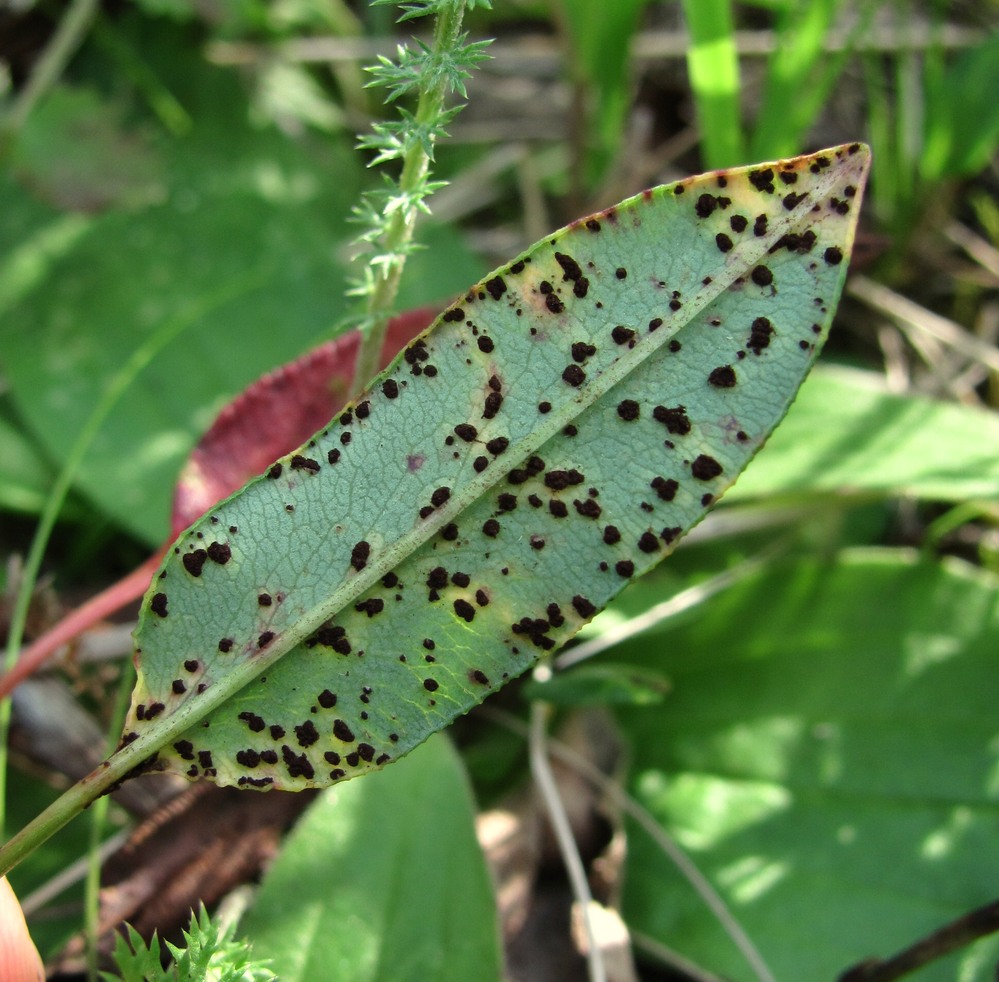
(416, 166)
(67, 38)
(98, 820)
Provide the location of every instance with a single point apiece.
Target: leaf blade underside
(549, 439)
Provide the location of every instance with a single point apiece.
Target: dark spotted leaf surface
(550, 438)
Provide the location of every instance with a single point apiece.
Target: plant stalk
(416, 166)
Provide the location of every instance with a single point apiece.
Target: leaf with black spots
(482, 500)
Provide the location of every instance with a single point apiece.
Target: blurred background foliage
(821, 736)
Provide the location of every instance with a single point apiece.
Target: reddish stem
(105, 603)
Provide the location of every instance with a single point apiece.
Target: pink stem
(129, 588)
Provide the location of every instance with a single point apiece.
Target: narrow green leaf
(549, 439)
(376, 925)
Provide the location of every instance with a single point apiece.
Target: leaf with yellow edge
(550, 438)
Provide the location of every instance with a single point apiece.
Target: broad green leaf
(828, 757)
(332, 906)
(847, 433)
(548, 440)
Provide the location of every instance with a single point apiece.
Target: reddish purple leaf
(275, 414)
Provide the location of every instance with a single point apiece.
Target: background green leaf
(826, 760)
(383, 881)
(846, 433)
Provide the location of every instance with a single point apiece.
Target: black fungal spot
(478, 677)
(247, 758)
(306, 734)
(738, 223)
(497, 445)
(628, 410)
(298, 764)
(274, 472)
(544, 407)
(194, 561)
(390, 580)
(611, 535)
(437, 578)
(158, 605)
(430, 685)
(342, 731)
(485, 344)
(253, 721)
(219, 552)
(833, 256)
(593, 225)
(371, 606)
(762, 276)
(762, 180)
(496, 287)
(266, 637)
(265, 600)
(491, 528)
(624, 567)
(326, 699)
(622, 334)
(366, 752)
(507, 501)
(492, 405)
(205, 758)
(647, 542)
(466, 431)
(185, 749)
(570, 268)
(558, 480)
(722, 377)
(331, 757)
(666, 488)
(359, 555)
(554, 304)
(482, 598)
(450, 532)
(558, 508)
(706, 204)
(723, 242)
(440, 497)
(534, 501)
(225, 645)
(333, 456)
(179, 687)
(573, 375)
(655, 324)
(461, 579)
(464, 610)
(276, 732)
(300, 463)
(583, 607)
(192, 665)
(390, 388)
(705, 468)
(792, 200)
(345, 438)
(581, 350)
(537, 542)
(588, 508)
(760, 333)
(452, 316)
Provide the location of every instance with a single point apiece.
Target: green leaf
(847, 434)
(386, 846)
(828, 758)
(547, 441)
